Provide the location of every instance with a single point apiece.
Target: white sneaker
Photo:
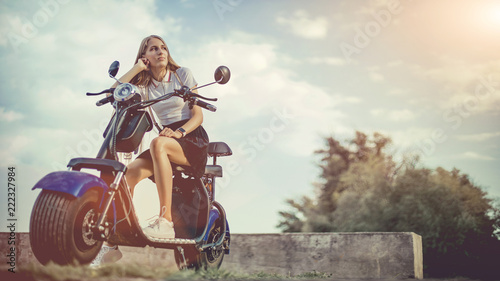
(107, 255)
(160, 228)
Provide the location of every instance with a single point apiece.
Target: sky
(425, 73)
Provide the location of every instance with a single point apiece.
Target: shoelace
(156, 217)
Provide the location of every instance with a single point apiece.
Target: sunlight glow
(493, 16)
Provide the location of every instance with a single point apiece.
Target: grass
(131, 271)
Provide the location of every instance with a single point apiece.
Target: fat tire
(202, 260)
(212, 259)
(56, 228)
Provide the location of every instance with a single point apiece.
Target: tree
(364, 189)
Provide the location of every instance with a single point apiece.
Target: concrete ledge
(371, 255)
(344, 255)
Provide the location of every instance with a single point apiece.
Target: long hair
(144, 78)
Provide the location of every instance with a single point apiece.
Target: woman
(182, 141)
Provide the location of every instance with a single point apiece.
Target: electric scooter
(77, 211)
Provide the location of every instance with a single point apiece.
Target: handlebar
(110, 90)
(105, 100)
(204, 105)
(184, 93)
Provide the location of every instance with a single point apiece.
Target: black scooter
(76, 211)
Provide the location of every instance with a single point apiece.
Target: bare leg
(163, 151)
(138, 170)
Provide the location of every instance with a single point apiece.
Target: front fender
(71, 182)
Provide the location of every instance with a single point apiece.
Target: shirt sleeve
(186, 77)
(142, 92)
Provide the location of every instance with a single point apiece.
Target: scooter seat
(219, 149)
(210, 170)
(213, 170)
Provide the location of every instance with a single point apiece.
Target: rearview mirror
(113, 69)
(222, 74)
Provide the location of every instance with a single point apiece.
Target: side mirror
(222, 74)
(113, 69)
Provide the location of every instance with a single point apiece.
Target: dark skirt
(194, 145)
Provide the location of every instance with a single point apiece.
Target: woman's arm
(141, 65)
(193, 123)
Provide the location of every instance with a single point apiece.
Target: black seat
(210, 170)
(219, 149)
(213, 170)
(215, 149)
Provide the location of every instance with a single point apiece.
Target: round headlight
(124, 92)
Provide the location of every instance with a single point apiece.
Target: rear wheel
(210, 258)
(60, 227)
(213, 257)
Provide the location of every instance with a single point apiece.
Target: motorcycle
(77, 211)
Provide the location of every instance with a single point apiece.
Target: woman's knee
(160, 146)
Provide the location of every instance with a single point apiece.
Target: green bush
(365, 190)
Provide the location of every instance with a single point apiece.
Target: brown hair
(144, 78)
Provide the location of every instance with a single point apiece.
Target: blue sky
(426, 73)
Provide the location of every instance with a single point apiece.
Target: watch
(183, 132)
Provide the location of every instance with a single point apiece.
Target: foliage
(365, 190)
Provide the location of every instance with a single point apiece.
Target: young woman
(182, 141)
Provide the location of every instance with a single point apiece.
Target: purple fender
(71, 182)
(212, 217)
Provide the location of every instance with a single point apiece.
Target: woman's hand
(142, 64)
(167, 132)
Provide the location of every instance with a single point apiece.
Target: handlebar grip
(205, 105)
(104, 101)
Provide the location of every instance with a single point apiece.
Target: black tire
(209, 259)
(60, 227)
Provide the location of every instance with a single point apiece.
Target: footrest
(179, 241)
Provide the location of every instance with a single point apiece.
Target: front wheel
(60, 227)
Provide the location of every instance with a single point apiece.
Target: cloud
(10, 116)
(262, 89)
(376, 77)
(478, 137)
(304, 25)
(12, 146)
(401, 115)
(475, 87)
(342, 99)
(475, 156)
(333, 61)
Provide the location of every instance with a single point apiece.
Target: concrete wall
(344, 255)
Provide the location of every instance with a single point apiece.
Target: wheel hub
(87, 225)
(215, 251)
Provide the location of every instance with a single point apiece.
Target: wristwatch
(183, 132)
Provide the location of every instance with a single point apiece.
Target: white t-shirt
(173, 109)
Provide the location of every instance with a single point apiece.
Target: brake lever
(186, 94)
(110, 90)
(205, 98)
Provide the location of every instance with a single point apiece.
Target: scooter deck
(176, 241)
(129, 233)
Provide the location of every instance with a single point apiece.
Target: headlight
(124, 92)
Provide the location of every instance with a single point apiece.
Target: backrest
(219, 149)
